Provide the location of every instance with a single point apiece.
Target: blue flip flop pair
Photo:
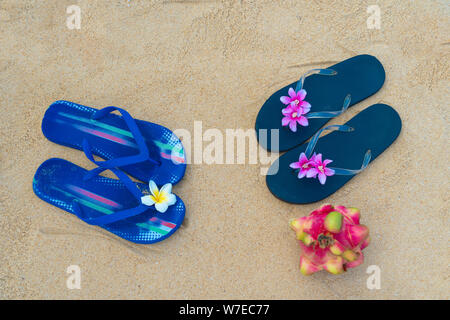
(292, 116)
(138, 212)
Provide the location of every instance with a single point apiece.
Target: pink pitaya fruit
(331, 238)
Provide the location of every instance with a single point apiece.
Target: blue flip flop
(144, 150)
(302, 176)
(136, 212)
(296, 112)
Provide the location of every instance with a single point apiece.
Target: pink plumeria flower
(296, 99)
(304, 164)
(295, 110)
(320, 169)
(292, 116)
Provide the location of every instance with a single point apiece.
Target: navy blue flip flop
(136, 212)
(302, 175)
(144, 150)
(296, 112)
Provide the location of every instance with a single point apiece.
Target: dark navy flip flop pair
(139, 212)
(297, 112)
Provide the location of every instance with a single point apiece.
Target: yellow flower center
(159, 197)
(305, 166)
(321, 168)
(294, 115)
(296, 102)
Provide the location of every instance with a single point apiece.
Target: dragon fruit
(331, 238)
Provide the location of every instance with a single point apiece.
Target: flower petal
(171, 199)
(293, 126)
(153, 188)
(312, 173)
(292, 93)
(147, 200)
(322, 178)
(285, 121)
(295, 165)
(306, 107)
(287, 111)
(285, 100)
(162, 206)
(318, 158)
(303, 121)
(329, 172)
(166, 189)
(303, 157)
(301, 94)
(327, 161)
(302, 173)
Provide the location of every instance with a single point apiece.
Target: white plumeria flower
(162, 199)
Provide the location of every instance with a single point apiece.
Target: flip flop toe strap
(331, 114)
(350, 172)
(297, 109)
(111, 218)
(118, 215)
(315, 138)
(323, 72)
(312, 165)
(143, 155)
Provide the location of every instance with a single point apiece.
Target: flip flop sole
(376, 128)
(60, 182)
(360, 76)
(68, 124)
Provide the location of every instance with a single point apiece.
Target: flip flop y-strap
(119, 215)
(323, 72)
(312, 144)
(312, 166)
(331, 114)
(143, 155)
(297, 108)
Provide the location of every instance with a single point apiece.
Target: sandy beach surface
(177, 62)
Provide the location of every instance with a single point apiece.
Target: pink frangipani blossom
(292, 116)
(303, 163)
(320, 169)
(313, 167)
(295, 110)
